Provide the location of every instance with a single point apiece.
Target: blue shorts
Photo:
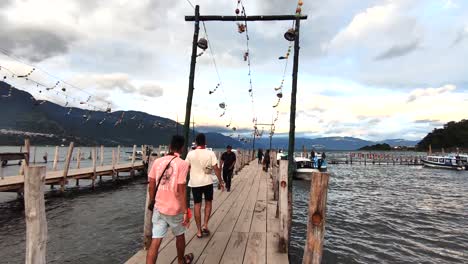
(162, 222)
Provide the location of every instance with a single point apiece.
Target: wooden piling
(283, 207)
(35, 216)
(317, 216)
(148, 224)
(94, 157)
(27, 151)
(102, 155)
(113, 164)
(66, 166)
(132, 173)
(56, 157)
(78, 158)
(118, 155)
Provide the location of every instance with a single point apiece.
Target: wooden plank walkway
(15, 183)
(244, 227)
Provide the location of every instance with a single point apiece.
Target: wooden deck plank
(215, 248)
(256, 249)
(235, 250)
(260, 211)
(272, 253)
(245, 218)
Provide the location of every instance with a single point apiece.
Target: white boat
(450, 161)
(138, 155)
(306, 167)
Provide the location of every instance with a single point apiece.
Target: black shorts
(207, 191)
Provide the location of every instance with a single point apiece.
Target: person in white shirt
(202, 164)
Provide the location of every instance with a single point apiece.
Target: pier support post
(94, 157)
(102, 156)
(34, 210)
(113, 165)
(317, 216)
(66, 167)
(78, 163)
(27, 151)
(56, 157)
(118, 154)
(148, 224)
(283, 207)
(133, 160)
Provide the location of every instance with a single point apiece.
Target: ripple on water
(389, 214)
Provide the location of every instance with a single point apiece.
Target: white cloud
(418, 93)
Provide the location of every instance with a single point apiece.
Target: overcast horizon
(370, 69)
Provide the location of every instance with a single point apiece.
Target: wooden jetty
(250, 224)
(61, 177)
(244, 226)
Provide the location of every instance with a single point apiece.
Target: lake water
(375, 214)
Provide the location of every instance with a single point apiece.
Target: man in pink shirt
(167, 183)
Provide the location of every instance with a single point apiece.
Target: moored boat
(451, 161)
(304, 167)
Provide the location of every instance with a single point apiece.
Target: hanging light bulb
(202, 43)
(279, 95)
(237, 11)
(222, 105)
(290, 35)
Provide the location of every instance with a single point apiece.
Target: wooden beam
(66, 166)
(34, 209)
(102, 155)
(317, 215)
(94, 156)
(56, 157)
(248, 18)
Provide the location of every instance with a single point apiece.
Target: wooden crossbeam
(248, 18)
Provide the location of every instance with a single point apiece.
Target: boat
(450, 161)
(138, 155)
(305, 167)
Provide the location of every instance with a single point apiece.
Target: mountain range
(47, 123)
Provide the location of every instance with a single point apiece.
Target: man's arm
(152, 193)
(218, 175)
(234, 163)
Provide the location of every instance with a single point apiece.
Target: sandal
(201, 236)
(188, 258)
(205, 231)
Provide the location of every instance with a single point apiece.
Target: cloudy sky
(372, 69)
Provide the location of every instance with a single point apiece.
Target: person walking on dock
(202, 164)
(260, 156)
(228, 161)
(167, 192)
(266, 161)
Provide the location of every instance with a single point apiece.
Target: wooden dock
(16, 183)
(244, 227)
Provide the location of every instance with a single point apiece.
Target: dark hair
(200, 139)
(177, 143)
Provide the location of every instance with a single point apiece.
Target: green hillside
(452, 135)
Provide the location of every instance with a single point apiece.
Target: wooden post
(66, 166)
(78, 158)
(148, 224)
(133, 160)
(102, 155)
(35, 150)
(27, 151)
(113, 164)
(35, 216)
(283, 207)
(193, 62)
(56, 157)
(317, 215)
(78, 162)
(94, 157)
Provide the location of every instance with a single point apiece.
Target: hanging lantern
(63, 89)
(300, 3)
(241, 28)
(282, 58)
(280, 95)
(237, 11)
(202, 43)
(290, 35)
(298, 10)
(234, 128)
(222, 105)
